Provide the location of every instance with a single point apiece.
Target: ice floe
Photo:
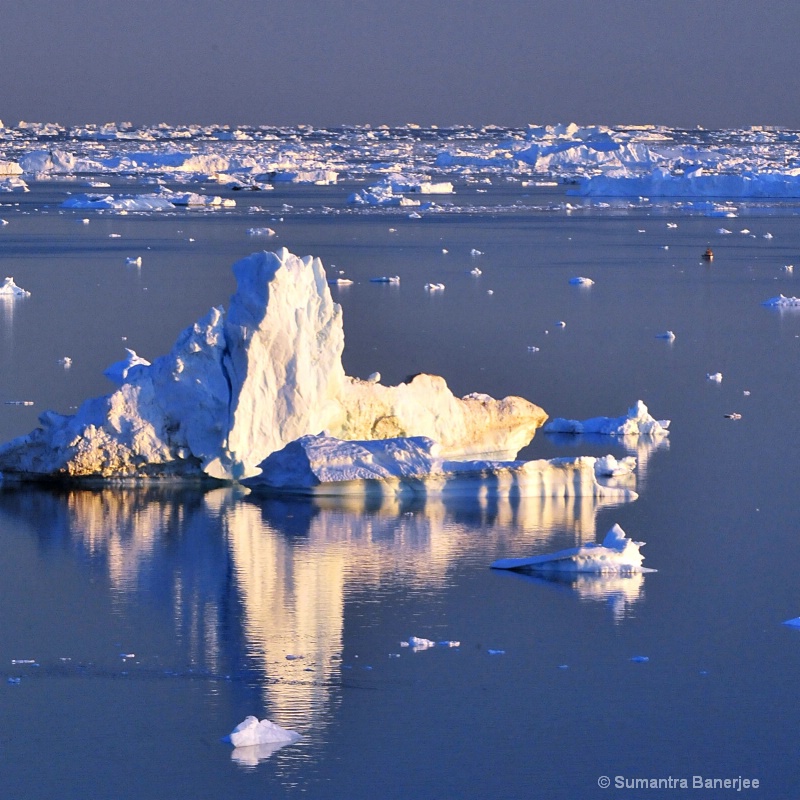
(616, 555)
(637, 422)
(782, 302)
(10, 289)
(252, 732)
(581, 281)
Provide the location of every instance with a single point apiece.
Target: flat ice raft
(637, 422)
(617, 555)
(323, 465)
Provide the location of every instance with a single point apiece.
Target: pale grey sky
(715, 63)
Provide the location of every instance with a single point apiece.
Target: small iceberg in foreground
(251, 732)
(10, 289)
(255, 741)
(617, 555)
(637, 422)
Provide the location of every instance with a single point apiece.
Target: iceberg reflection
(256, 587)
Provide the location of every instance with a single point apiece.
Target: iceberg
(251, 732)
(637, 422)
(617, 555)
(237, 387)
(401, 467)
(10, 289)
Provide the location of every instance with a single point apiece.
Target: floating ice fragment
(561, 324)
(386, 279)
(10, 289)
(260, 232)
(617, 555)
(251, 732)
(788, 268)
(668, 335)
(65, 362)
(30, 661)
(475, 252)
(782, 302)
(768, 236)
(533, 349)
(637, 422)
(449, 644)
(19, 402)
(496, 652)
(640, 659)
(476, 271)
(723, 231)
(340, 281)
(716, 377)
(374, 377)
(793, 623)
(490, 291)
(733, 415)
(581, 281)
(134, 261)
(14, 681)
(672, 224)
(417, 643)
(434, 287)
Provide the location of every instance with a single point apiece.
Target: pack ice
(237, 387)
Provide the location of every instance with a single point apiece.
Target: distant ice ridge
(637, 422)
(323, 465)
(617, 555)
(662, 182)
(161, 201)
(240, 386)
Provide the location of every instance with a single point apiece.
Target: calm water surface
(157, 619)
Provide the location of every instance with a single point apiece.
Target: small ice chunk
(417, 643)
(581, 281)
(609, 466)
(386, 279)
(134, 261)
(668, 335)
(496, 652)
(476, 271)
(723, 231)
(793, 623)
(532, 348)
(475, 252)
(733, 415)
(788, 268)
(434, 287)
(640, 659)
(340, 281)
(449, 644)
(251, 732)
(561, 324)
(374, 377)
(260, 232)
(11, 289)
(65, 362)
(716, 377)
(672, 224)
(768, 236)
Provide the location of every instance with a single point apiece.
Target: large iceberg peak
(237, 387)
